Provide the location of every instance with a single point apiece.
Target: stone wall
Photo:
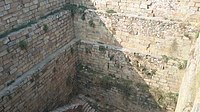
(157, 72)
(146, 35)
(156, 44)
(150, 49)
(150, 76)
(37, 59)
(168, 9)
(17, 12)
(145, 42)
(16, 59)
(189, 100)
(45, 86)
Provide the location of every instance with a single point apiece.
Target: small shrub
(111, 11)
(23, 44)
(102, 48)
(165, 58)
(6, 33)
(91, 23)
(111, 57)
(173, 97)
(81, 9)
(72, 8)
(142, 87)
(75, 9)
(83, 16)
(88, 50)
(174, 45)
(45, 27)
(197, 35)
(125, 87)
(101, 23)
(72, 50)
(153, 71)
(182, 65)
(106, 82)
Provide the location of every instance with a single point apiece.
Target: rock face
(189, 91)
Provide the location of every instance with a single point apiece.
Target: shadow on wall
(111, 76)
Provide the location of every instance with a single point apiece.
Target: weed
(165, 58)
(102, 48)
(72, 8)
(107, 82)
(81, 9)
(75, 9)
(72, 50)
(91, 23)
(197, 35)
(174, 46)
(23, 44)
(6, 33)
(88, 50)
(182, 65)
(142, 87)
(111, 11)
(45, 27)
(83, 16)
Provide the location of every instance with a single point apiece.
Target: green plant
(101, 23)
(83, 16)
(91, 23)
(72, 50)
(123, 85)
(182, 65)
(6, 33)
(75, 8)
(174, 45)
(45, 27)
(142, 87)
(173, 97)
(106, 82)
(111, 11)
(197, 35)
(165, 58)
(102, 48)
(81, 9)
(153, 71)
(71, 7)
(111, 57)
(23, 44)
(88, 50)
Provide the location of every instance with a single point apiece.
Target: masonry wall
(17, 12)
(37, 60)
(15, 61)
(150, 77)
(146, 35)
(44, 87)
(154, 48)
(168, 9)
(124, 63)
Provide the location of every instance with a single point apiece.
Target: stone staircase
(81, 106)
(88, 108)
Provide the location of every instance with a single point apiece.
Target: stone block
(7, 7)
